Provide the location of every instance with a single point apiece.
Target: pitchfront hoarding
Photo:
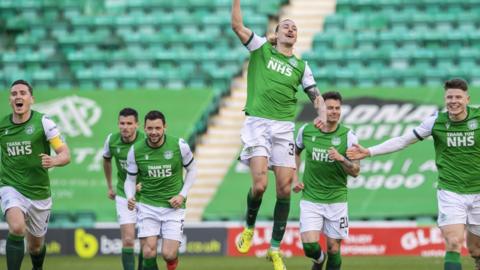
(383, 239)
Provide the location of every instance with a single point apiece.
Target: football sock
(334, 261)
(253, 205)
(452, 261)
(128, 258)
(140, 260)
(172, 265)
(313, 251)
(280, 216)
(15, 250)
(150, 263)
(37, 259)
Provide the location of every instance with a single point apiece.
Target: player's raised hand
(131, 204)
(356, 151)
(47, 161)
(176, 201)
(319, 122)
(334, 155)
(111, 194)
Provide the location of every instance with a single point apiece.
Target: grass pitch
(245, 263)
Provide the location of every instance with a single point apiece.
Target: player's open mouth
(19, 104)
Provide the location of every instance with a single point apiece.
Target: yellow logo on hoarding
(86, 245)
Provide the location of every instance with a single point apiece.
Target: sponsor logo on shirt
(280, 67)
(293, 62)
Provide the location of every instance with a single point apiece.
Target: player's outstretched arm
(242, 32)
(351, 167)
(319, 104)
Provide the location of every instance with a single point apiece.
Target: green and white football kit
(160, 170)
(116, 148)
(273, 79)
(324, 199)
(457, 152)
(24, 183)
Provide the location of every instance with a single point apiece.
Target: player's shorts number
(343, 222)
(292, 147)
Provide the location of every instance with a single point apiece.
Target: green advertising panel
(399, 185)
(86, 118)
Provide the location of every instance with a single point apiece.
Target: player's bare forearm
(242, 32)
(107, 171)
(351, 167)
(63, 156)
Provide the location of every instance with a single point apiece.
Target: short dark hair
(154, 115)
(332, 95)
(30, 89)
(456, 83)
(128, 112)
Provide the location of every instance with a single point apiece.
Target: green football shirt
(21, 146)
(118, 149)
(457, 150)
(325, 180)
(272, 81)
(160, 170)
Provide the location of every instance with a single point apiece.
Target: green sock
(452, 261)
(128, 258)
(15, 250)
(37, 259)
(312, 250)
(150, 263)
(253, 205)
(280, 216)
(334, 261)
(140, 260)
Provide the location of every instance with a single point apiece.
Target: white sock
(321, 258)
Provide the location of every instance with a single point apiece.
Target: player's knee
(453, 243)
(17, 228)
(333, 249)
(128, 242)
(34, 248)
(258, 189)
(284, 192)
(148, 252)
(169, 255)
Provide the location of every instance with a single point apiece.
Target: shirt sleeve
(255, 42)
(187, 155)
(351, 138)
(50, 128)
(299, 140)
(132, 167)
(308, 81)
(106, 148)
(425, 128)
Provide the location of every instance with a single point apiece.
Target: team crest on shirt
(118, 150)
(472, 124)
(147, 157)
(447, 125)
(314, 138)
(29, 129)
(293, 62)
(168, 154)
(336, 141)
(6, 131)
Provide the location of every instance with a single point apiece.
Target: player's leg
(170, 253)
(255, 153)
(283, 164)
(149, 227)
(37, 249)
(127, 232)
(127, 220)
(311, 224)
(149, 248)
(14, 207)
(172, 235)
(336, 229)
(452, 217)
(15, 247)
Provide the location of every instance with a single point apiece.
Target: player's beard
(157, 139)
